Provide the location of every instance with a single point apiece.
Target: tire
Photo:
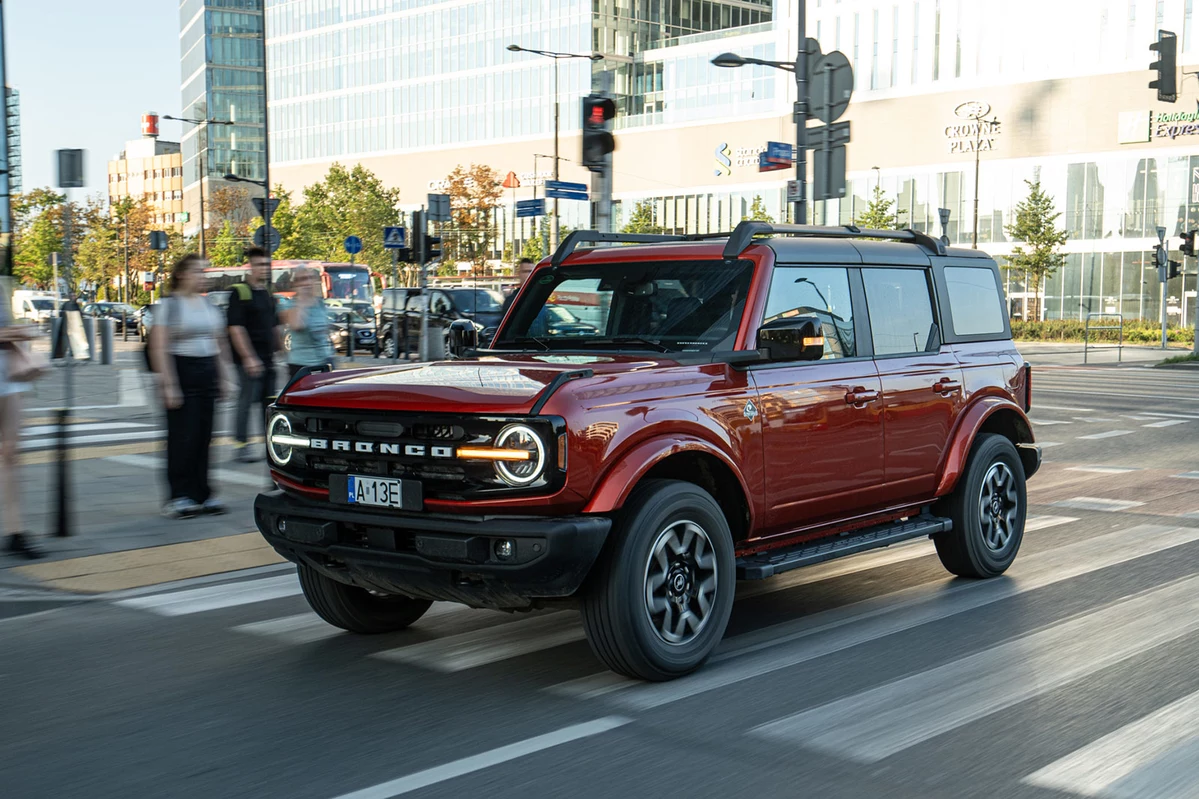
(626, 635)
(356, 609)
(287, 341)
(988, 508)
(387, 347)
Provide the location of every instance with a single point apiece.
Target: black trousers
(189, 429)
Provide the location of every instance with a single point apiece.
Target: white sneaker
(213, 507)
(180, 508)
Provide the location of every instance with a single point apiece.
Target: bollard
(89, 330)
(62, 505)
(350, 334)
(107, 327)
(124, 326)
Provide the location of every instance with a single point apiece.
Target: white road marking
(1094, 419)
(1166, 423)
(1034, 523)
(1091, 390)
(1171, 415)
(52, 429)
(200, 600)
(228, 476)
(1108, 434)
(480, 647)
(785, 645)
(1132, 753)
(1189, 475)
(73, 441)
(1103, 469)
(1137, 417)
(882, 721)
(1038, 407)
(493, 757)
(1048, 422)
(303, 628)
(1097, 503)
(1048, 444)
(131, 389)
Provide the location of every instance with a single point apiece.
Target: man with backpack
(255, 337)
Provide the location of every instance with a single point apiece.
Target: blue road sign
(565, 195)
(779, 152)
(353, 245)
(562, 185)
(766, 166)
(530, 207)
(394, 238)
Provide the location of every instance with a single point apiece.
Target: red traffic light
(597, 110)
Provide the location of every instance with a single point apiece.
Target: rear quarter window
(974, 302)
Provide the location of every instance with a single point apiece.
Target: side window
(416, 302)
(441, 304)
(822, 292)
(901, 311)
(974, 303)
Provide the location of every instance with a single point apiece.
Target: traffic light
(1175, 269)
(1166, 66)
(426, 248)
(1188, 243)
(598, 141)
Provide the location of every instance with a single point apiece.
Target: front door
(821, 420)
(922, 381)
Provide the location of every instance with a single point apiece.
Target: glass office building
(12, 102)
(222, 78)
(411, 88)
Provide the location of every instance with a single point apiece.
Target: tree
(878, 214)
(292, 244)
(475, 193)
(227, 248)
(348, 202)
(757, 211)
(38, 232)
(641, 220)
(1036, 254)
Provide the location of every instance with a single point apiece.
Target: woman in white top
(17, 542)
(188, 352)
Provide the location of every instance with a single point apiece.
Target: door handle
(860, 396)
(946, 386)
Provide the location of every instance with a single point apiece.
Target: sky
(87, 70)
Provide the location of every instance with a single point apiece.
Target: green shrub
(1136, 331)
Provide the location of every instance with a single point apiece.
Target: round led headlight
(279, 439)
(520, 437)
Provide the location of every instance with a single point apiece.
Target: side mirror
(464, 336)
(798, 338)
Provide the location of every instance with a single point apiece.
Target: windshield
(558, 315)
(348, 283)
(465, 300)
(667, 306)
(42, 305)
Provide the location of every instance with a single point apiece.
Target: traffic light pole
(419, 236)
(801, 118)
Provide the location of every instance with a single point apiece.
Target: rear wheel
(387, 347)
(988, 508)
(356, 609)
(659, 599)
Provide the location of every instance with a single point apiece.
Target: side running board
(768, 564)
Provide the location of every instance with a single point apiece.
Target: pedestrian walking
(307, 321)
(17, 541)
(187, 350)
(523, 270)
(255, 336)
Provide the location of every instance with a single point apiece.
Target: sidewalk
(1045, 353)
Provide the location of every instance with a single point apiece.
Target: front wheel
(988, 508)
(356, 609)
(659, 599)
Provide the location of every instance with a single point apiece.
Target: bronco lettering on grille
(371, 447)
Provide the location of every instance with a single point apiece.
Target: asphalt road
(874, 676)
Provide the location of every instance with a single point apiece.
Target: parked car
(122, 313)
(34, 306)
(480, 306)
(561, 322)
(748, 405)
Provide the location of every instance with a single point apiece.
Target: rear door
(921, 379)
(821, 420)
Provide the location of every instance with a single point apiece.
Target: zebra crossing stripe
(480, 647)
(1148, 757)
(217, 597)
(889, 718)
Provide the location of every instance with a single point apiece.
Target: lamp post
(980, 126)
(201, 155)
(800, 68)
(516, 48)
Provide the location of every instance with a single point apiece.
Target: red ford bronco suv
(729, 407)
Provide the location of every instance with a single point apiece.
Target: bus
(349, 283)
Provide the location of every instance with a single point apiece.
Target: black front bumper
(451, 558)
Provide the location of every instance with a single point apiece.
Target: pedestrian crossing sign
(394, 238)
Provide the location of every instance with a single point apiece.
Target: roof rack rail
(575, 237)
(744, 233)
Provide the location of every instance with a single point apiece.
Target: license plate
(376, 491)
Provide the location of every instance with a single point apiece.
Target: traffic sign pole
(801, 115)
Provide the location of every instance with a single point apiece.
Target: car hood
(501, 385)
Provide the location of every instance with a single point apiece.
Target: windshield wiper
(653, 344)
(531, 340)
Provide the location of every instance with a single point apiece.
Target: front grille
(418, 447)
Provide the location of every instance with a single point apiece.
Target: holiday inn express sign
(1138, 127)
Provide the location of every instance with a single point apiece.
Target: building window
(1186, 26)
(937, 42)
(1161, 12)
(1130, 43)
(837, 35)
(857, 41)
(874, 53)
(957, 53)
(894, 45)
(915, 42)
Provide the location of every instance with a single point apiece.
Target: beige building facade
(152, 170)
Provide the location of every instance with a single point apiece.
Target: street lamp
(516, 48)
(200, 156)
(980, 125)
(231, 178)
(800, 69)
